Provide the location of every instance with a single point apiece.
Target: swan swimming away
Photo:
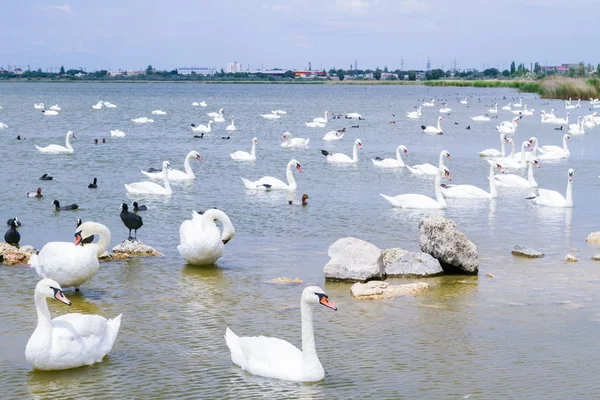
(202, 128)
(341, 158)
(275, 358)
(332, 136)
(142, 120)
(268, 182)
(473, 192)
(551, 198)
(428, 169)
(512, 180)
(174, 174)
(57, 149)
(117, 133)
(200, 240)
(68, 341)
(420, 201)
(289, 142)
(244, 155)
(231, 127)
(151, 187)
(392, 162)
(433, 129)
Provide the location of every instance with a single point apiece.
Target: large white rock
(354, 259)
(376, 290)
(441, 238)
(398, 263)
(135, 248)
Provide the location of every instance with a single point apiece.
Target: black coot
(57, 206)
(132, 221)
(12, 236)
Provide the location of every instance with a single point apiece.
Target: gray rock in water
(135, 248)
(441, 238)
(524, 251)
(398, 262)
(354, 259)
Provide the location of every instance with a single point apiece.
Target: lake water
(530, 331)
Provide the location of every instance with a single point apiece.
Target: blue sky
(131, 34)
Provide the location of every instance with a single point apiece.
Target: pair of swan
(72, 264)
(201, 104)
(391, 162)
(200, 240)
(578, 128)
(508, 127)
(117, 133)
(244, 155)
(414, 114)
(547, 117)
(268, 182)
(558, 121)
(428, 169)
(151, 187)
(473, 192)
(214, 115)
(551, 198)
(420, 201)
(289, 142)
(231, 127)
(332, 136)
(519, 104)
(202, 128)
(341, 158)
(552, 152)
(433, 129)
(142, 120)
(275, 358)
(68, 341)
(177, 175)
(512, 180)
(516, 160)
(57, 149)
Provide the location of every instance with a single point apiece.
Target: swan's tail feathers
(423, 127)
(233, 342)
(33, 261)
(325, 152)
(307, 140)
(112, 330)
(378, 158)
(249, 184)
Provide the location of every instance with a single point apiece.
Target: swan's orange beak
(298, 168)
(405, 152)
(198, 158)
(60, 296)
(447, 174)
(325, 301)
(78, 238)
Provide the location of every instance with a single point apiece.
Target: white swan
(526, 111)
(322, 120)
(560, 121)
(507, 107)
(353, 115)
(270, 116)
(465, 101)
(231, 127)
(493, 110)
(49, 113)
(578, 129)
(275, 358)
(589, 121)
(151, 187)
(512, 180)
(158, 112)
(414, 114)
(244, 155)
(429, 104)
(219, 120)
(519, 104)
(202, 128)
(494, 152)
(480, 118)
(55, 107)
(117, 133)
(445, 109)
(268, 182)
(473, 192)
(98, 105)
(432, 129)
(3, 126)
(55, 148)
(332, 136)
(428, 169)
(551, 198)
(109, 105)
(68, 341)
(200, 240)
(551, 152)
(278, 112)
(176, 175)
(511, 162)
(142, 120)
(315, 124)
(216, 114)
(72, 264)
(39, 106)
(392, 162)
(341, 158)
(290, 142)
(201, 104)
(420, 201)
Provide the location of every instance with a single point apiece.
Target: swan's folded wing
(78, 339)
(550, 197)
(267, 356)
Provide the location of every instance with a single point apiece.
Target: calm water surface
(531, 331)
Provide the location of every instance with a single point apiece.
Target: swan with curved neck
(55, 148)
(494, 152)
(322, 120)
(511, 162)
(414, 114)
(341, 158)
(473, 192)
(276, 358)
(551, 152)
(428, 169)
(512, 180)
(579, 128)
(177, 175)
(420, 201)
(290, 142)
(244, 155)
(269, 182)
(391, 162)
(432, 129)
(203, 128)
(151, 187)
(200, 240)
(551, 198)
(231, 127)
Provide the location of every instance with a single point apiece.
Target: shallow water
(528, 332)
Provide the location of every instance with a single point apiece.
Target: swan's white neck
(493, 191)
(187, 167)
(565, 147)
(68, 143)
(441, 163)
(535, 146)
(355, 153)
(104, 236)
(325, 114)
(44, 320)
(512, 148)
(166, 179)
(439, 127)
(523, 146)
(502, 145)
(290, 176)
(399, 156)
(438, 191)
(569, 193)
(530, 178)
(218, 215)
(309, 351)
(253, 151)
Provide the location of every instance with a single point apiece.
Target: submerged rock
(11, 255)
(285, 280)
(398, 262)
(593, 238)
(596, 257)
(441, 238)
(135, 248)
(571, 258)
(524, 251)
(376, 290)
(354, 259)
(113, 256)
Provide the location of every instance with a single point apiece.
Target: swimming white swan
(315, 124)
(244, 155)
(289, 142)
(275, 358)
(480, 118)
(117, 133)
(533, 145)
(551, 198)
(353, 115)
(510, 162)
(3, 126)
(392, 162)
(268, 182)
(551, 152)
(494, 152)
(278, 112)
(493, 110)
(270, 116)
(151, 187)
(219, 120)
(512, 180)
(420, 201)
(55, 107)
(108, 104)
(200, 240)
(519, 104)
(465, 101)
(332, 136)
(177, 175)
(201, 104)
(97, 106)
(158, 112)
(72, 264)
(231, 127)
(49, 113)
(68, 341)
(432, 129)
(142, 120)
(560, 121)
(39, 106)
(527, 111)
(578, 129)
(428, 169)
(445, 109)
(429, 104)
(341, 158)
(507, 107)
(322, 120)
(215, 114)
(473, 192)
(56, 149)
(414, 114)
(202, 128)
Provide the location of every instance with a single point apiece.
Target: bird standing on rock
(11, 236)
(132, 221)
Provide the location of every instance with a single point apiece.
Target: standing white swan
(151, 187)
(512, 180)
(432, 129)
(176, 175)
(420, 201)
(68, 341)
(200, 240)
(551, 198)
(473, 192)
(231, 127)
(494, 152)
(392, 162)
(289, 142)
(276, 358)
(55, 148)
(428, 169)
(340, 158)
(268, 182)
(244, 155)
(332, 136)
(72, 264)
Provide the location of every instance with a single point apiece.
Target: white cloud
(66, 8)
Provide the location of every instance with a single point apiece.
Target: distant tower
(309, 66)
(428, 64)
(455, 68)
(402, 64)
(356, 64)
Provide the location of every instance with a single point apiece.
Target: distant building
(233, 67)
(115, 73)
(195, 70)
(18, 71)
